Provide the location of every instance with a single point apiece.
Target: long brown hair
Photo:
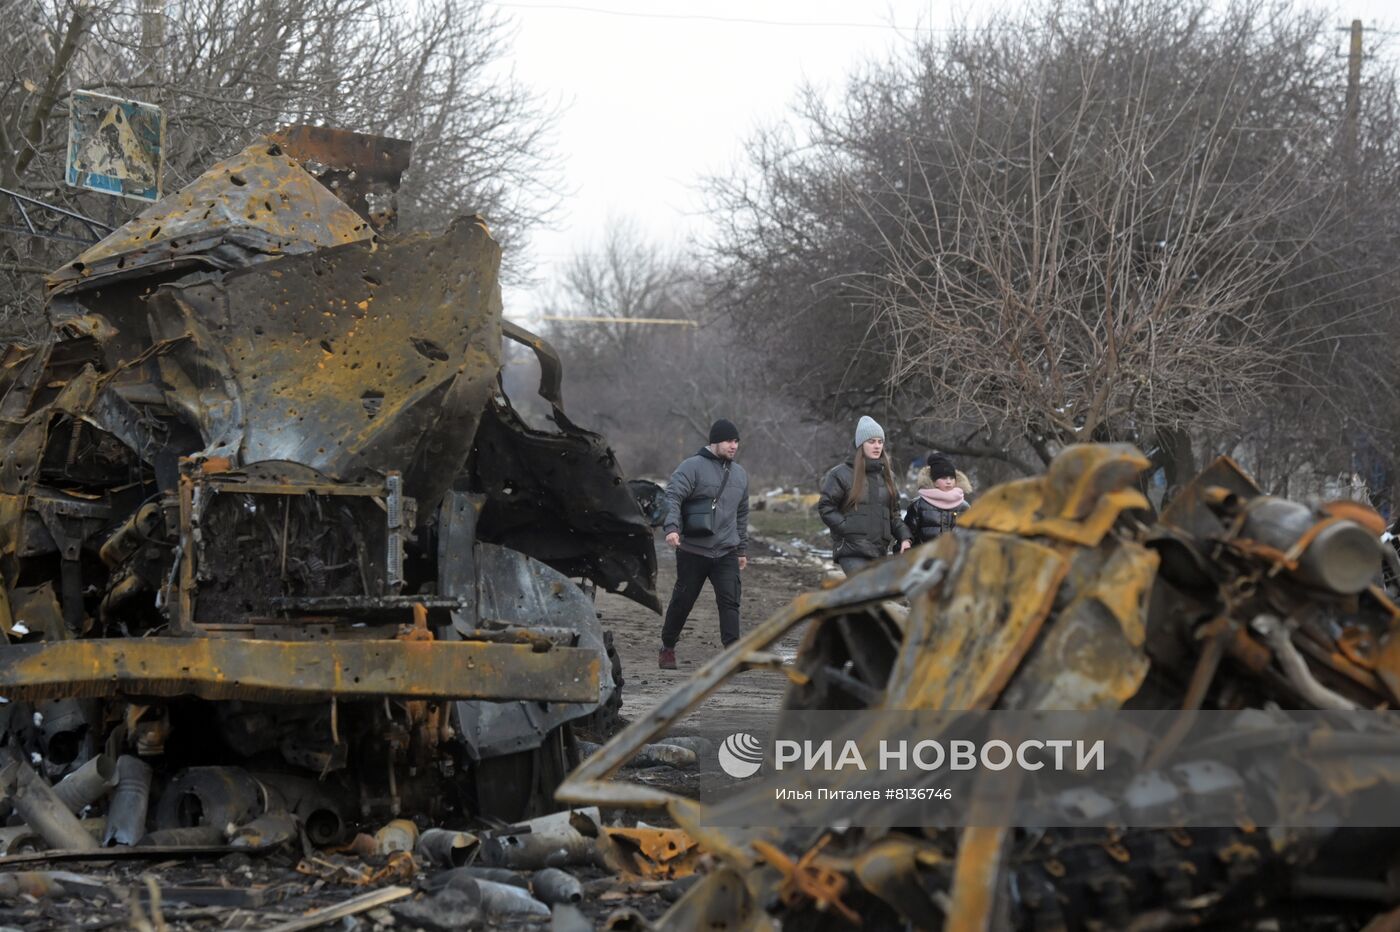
(857, 491)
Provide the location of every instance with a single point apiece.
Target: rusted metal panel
(959, 652)
(1077, 501)
(345, 362)
(377, 157)
(1092, 657)
(357, 167)
(575, 476)
(1388, 664)
(296, 671)
(257, 205)
(650, 852)
(1189, 510)
(37, 609)
(981, 851)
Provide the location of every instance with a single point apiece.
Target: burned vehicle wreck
(265, 506)
(1065, 594)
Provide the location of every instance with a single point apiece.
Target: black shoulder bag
(698, 514)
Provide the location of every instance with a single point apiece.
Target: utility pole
(1352, 114)
(153, 37)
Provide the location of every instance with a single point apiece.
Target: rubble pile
(1065, 592)
(567, 868)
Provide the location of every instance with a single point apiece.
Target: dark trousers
(852, 565)
(691, 572)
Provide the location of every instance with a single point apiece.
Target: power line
(619, 320)
(578, 8)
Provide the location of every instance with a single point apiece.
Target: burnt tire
(518, 786)
(607, 720)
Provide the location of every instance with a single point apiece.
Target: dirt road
(770, 582)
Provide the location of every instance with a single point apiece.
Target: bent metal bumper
(296, 671)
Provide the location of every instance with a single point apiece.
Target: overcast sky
(655, 94)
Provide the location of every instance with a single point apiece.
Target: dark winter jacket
(700, 476)
(926, 520)
(872, 526)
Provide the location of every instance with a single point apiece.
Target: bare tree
(629, 279)
(228, 70)
(656, 388)
(1107, 221)
(1079, 273)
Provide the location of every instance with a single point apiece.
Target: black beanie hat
(723, 430)
(939, 467)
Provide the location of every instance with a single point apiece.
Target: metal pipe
(214, 796)
(552, 885)
(461, 875)
(444, 847)
(36, 803)
(88, 783)
(501, 900)
(17, 839)
(664, 755)
(554, 847)
(126, 816)
(324, 825)
(1342, 557)
(1295, 668)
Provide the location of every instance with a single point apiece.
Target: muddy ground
(772, 579)
(240, 891)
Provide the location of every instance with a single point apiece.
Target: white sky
(656, 94)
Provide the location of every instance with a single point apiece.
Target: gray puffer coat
(870, 528)
(700, 476)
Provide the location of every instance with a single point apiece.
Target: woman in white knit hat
(860, 504)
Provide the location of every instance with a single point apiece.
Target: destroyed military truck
(265, 504)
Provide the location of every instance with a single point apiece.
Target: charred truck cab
(265, 505)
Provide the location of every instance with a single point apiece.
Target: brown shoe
(667, 658)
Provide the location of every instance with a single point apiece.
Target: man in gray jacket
(711, 482)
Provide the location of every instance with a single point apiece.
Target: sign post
(115, 146)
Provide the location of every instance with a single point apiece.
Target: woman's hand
(904, 545)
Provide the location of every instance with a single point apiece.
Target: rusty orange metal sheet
(975, 877)
(1077, 501)
(1016, 509)
(1124, 585)
(374, 156)
(349, 360)
(655, 853)
(1084, 474)
(958, 652)
(296, 671)
(1093, 656)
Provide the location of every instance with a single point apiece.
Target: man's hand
(674, 538)
(904, 545)
(743, 563)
